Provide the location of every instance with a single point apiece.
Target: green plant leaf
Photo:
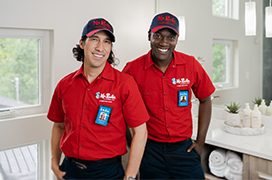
(233, 108)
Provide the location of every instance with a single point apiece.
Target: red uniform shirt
(76, 103)
(167, 96)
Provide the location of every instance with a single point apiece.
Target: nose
(164, 41)
(99, 47)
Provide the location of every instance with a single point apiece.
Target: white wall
(131, 20)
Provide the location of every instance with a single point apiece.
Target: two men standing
(163, 76)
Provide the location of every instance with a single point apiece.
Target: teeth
(97, 55)
(163, 50)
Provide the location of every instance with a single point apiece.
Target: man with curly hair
(93, 146)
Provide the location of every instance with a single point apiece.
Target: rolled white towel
(217, 157)
(217, 162)
(234, 170)
(232, 155)
(234, 162)
(229, 175)
(218, 171)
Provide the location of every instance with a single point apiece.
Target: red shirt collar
(107, 73)
(178, 59)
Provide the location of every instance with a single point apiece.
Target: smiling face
(97, 49)
(163, 43)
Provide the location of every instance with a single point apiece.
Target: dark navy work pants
(102, 169)
(170, 161)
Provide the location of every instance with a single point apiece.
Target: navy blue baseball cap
(96, 25)
(164, 20)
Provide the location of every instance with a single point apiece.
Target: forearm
(136, 150)
(57, 132)
(204, 117)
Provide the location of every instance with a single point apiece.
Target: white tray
(245, 131)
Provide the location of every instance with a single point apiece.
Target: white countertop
(257, 145)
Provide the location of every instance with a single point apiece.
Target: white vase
(233, 119)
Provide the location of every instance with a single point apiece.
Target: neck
(162, 64)
(92, 73)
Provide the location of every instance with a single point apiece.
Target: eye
(94, 38)
(108, 41)
(171, 38)
(157, 36)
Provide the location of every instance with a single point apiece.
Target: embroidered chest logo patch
(105, 97)
(180, 81)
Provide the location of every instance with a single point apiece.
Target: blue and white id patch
(183, 98)
(103, 115)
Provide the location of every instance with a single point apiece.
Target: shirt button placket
(88, 89)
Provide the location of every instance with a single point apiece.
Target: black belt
(82, 164)
(169, 144)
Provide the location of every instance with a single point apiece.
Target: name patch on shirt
(180, 82)
(103, 115)
(183, 98)
(105, 97)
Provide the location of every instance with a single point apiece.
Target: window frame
(44, 71)
(231, 10)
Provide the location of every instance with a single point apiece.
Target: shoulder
(68, 77)
(122, 77)
(138, 61)
(65, 82)
(185, 57)
(189, 60)
(135, 65)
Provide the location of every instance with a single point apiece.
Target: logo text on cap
(167, 18)
(102, 23)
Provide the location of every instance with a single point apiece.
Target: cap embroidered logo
(96, 25)
(102, 24)
(164, 20)
(167, 19)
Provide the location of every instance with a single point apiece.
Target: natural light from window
(24, 72)
(226, 8)
(19, 75)
(222, 71)
(19, 163)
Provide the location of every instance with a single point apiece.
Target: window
(226, 8)
(24, 75)
(19, 163)
(224, 66)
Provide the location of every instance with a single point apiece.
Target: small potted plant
(233, 117)
(257, 101)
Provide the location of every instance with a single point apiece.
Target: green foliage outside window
(219, 7)
(19, 58)
(219, 63)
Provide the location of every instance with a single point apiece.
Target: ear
(81, 44)
(149, 36)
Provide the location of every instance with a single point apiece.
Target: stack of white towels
(225, 163)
